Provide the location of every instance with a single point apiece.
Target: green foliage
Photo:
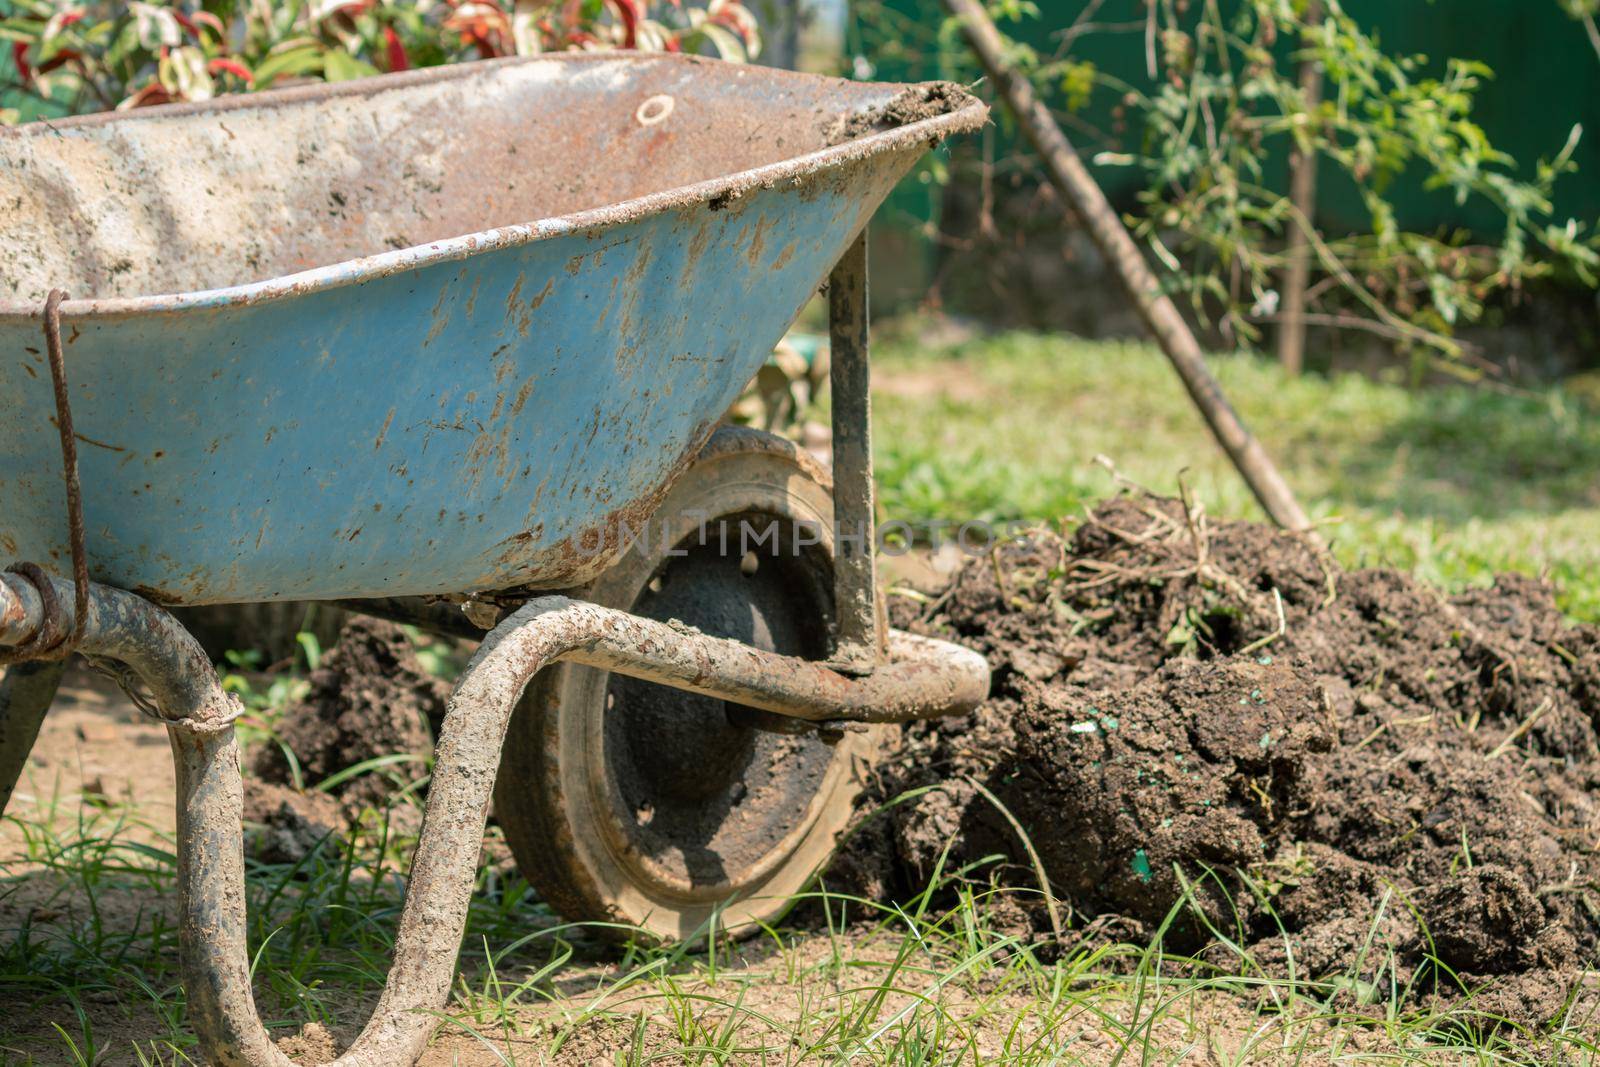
(1221, 109)
(1454, 483)
(1230, 97)
(69, 58)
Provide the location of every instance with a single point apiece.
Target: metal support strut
(855, 590)
(922, 678)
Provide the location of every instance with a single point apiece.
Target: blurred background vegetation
(1456, 194)
(1450, 249)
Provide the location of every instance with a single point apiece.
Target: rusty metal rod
(855, 577)
(199, 716)
(923, 677)
(1073, 180)
(126, 629)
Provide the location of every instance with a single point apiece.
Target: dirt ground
(1208, 730)
(96, 746)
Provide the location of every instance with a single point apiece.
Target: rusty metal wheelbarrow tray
(478, 408)
(584, 258)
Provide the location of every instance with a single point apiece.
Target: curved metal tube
(940, 679)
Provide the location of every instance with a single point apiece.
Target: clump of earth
(1213, 728)
(1206, 730)
(369, 699)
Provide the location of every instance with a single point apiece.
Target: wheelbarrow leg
(26, 691)
(860, 644)
(931, 678)
(199, 717)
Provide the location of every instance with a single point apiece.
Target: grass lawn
(89, 975)
(1452, 483)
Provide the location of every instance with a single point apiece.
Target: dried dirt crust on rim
(1348, 774)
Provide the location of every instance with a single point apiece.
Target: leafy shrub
(1218, 106)
(69, 58)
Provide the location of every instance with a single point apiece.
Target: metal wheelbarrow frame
(874, 676)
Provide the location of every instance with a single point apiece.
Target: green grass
(1452, 483)
(931, 980)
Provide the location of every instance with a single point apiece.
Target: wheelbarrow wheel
(638, 805)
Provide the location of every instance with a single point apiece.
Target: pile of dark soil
(369, 698)
(1349, 774)
(1206, 729)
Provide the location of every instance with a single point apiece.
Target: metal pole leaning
(929, 678)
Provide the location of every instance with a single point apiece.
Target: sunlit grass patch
(1451, 483)
(945, 977)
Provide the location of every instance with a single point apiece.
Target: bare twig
(1283, 627)
(1082, 29)
(999, 574)
(1193, 523)
(1469, 350)
(1522, 728)
(1150, 40)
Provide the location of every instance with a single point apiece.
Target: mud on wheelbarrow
(515, 429)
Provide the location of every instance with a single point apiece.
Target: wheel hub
(710, 797)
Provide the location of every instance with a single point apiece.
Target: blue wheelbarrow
(367, 378)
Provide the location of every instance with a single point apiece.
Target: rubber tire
(549, 798)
